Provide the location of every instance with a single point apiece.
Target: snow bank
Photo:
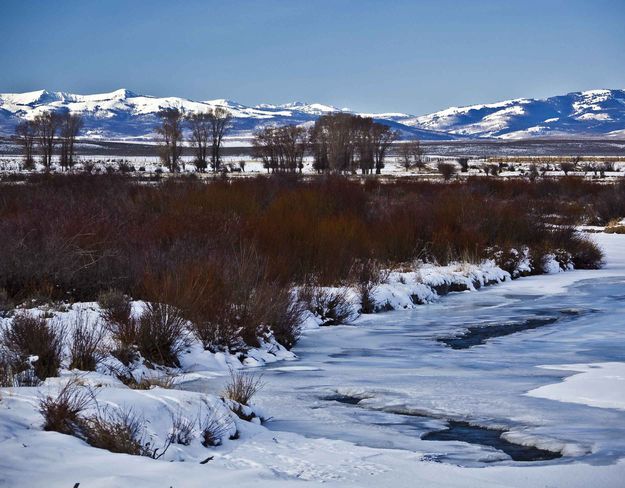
(599, 385)
(404, 290)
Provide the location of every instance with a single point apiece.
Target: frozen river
(471, 379)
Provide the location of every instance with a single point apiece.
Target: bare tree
(219, 122)
(170, 137)
(200, 125)
(293, 141)
(281, 148)
(70, 125)
(46, 127)
(344, 143)
(265, 148)
(25, 137)
(410, 153)
(364, 143)
(334, 142)
(382, 137)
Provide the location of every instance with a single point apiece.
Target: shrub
(285, 316)
(586, 254)
(6, 305)
(614, 227)
(87, 343)
(509, 259)
(15, 370)
(331, 306)
(63, 412)
(161, 334)
(241, 387)
(28, 335)
(116, 430)
(367, 276)
(74, 236)
(214, 427)
(181, 429)
(116, 310)
(149, 382)
(447, 170)
(118, 320)
(8, 370)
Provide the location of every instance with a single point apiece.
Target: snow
(125, 115)
(407, 383)
(597, 384)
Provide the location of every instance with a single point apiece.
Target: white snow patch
(596, 384)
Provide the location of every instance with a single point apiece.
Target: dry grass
(87, 343)
(116, 430)
(615, 227)
(214, 427)
(118, 320)
(181, 429)
(242, 386)
(28, 335)
(63, 412)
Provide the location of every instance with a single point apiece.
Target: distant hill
(124, 115)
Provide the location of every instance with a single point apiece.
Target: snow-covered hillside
(594, 112)
(123, 115)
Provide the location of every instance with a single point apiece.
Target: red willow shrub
(73, 236)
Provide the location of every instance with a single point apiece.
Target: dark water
(478, 335)
(465, 432)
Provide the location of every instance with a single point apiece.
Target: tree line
(206, 134)
(339, 143)
(41, 135)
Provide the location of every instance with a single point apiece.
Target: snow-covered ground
(149, 165)
(351, 409)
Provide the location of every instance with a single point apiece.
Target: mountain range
(125, 115)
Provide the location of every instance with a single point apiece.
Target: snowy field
(535, 364)
(245, 166)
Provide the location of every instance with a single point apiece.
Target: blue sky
(410, 56)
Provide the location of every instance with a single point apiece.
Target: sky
(377, 56)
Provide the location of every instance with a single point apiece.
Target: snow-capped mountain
(125, 115)
(588, 113)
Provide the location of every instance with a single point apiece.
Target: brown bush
(284, 316)
(6, 305)
(28, 335)
(214, 427)
(74, 236)
(181, 429)
(367, 275)
(116, 430)
(331, 306)
(161, 334)
(63, 412)
(116, 311)
(242, 386)
(87, 343)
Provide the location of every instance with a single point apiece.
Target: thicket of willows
(210, 246)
